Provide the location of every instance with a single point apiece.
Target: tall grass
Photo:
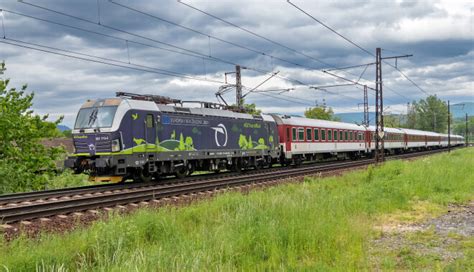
(319, 225)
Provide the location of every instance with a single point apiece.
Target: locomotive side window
(301, 134)
(294, 134)
(316, 134)
(149, 121)
(323, 134)
(308, 134)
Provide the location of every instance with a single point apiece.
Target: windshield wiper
(93, 117)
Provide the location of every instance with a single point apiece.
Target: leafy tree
(321, 112)
(459, 127)
(248, 108)
(252, 109)
(391, 121)
(429, 114)
(25, 164)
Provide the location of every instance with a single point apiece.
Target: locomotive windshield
(96, 117)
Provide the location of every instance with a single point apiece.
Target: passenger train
(141, 137)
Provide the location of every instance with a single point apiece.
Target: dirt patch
(434, 241)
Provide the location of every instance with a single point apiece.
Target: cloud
(438, 33)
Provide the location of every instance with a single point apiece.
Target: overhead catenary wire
(263, 37)
(293, 50)
(191, 52)
(229, 42)
(210, 36)
(144, 69)
(188, 52)
(356, 45)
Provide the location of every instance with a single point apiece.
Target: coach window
(301, 134)
(149, 120)
(341, 133)
(316, 134)
(351, 136)
(309, 134)
(294, 134)
(335, 135)
(323, 134)
(329, 135)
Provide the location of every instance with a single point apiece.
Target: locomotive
(141, 137)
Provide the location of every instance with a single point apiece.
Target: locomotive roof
(149, 105)
(300, 121)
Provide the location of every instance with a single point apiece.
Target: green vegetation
(25, 164)
(319, 225)
(429, 114)
(321, 112)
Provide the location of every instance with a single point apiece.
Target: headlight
(116, 145)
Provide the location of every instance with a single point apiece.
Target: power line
(211, 36)
(190, 52)
(332, 30)
(154, 40)
(21, 44)
(356, 45)
(409, 79)
(253, 33)
(262, 37)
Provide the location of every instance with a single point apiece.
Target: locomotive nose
(92, 143)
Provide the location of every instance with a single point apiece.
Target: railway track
(28, 206)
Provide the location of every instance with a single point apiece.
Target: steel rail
(11, 214)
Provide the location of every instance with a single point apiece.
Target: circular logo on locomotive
(220, 133)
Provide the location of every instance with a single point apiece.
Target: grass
(318, 225)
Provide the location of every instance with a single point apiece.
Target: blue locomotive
(147, 136)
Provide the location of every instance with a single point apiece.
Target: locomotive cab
(95, 137)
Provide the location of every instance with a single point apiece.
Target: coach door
(150, 132)
(288, 139)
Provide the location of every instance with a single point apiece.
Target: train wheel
(142, 176)
(182, 172)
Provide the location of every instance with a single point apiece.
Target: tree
(321, 112)
(25, 164)
(248, 108)
(252, 109)
(391, 121)
(459, 127)
(429, 114)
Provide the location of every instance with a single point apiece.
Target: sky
(71, 51)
